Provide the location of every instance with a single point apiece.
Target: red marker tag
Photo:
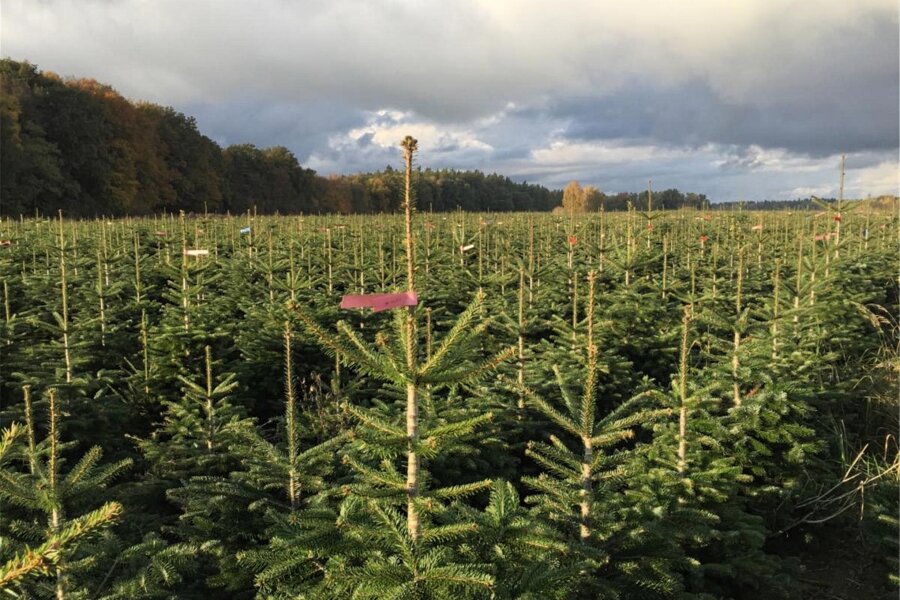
(837, 218)
(572, 240)
(379, 302)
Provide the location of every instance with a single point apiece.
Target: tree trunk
(586, 489)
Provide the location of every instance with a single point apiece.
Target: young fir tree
(193, 313)
(199, 429)
(584, 467)
(757, 371)
(14, 338)
(278, 495)
(528, 559)
(564, 349)
(200, 436)
(48, 512)
(632, 332)
(403, 537)
(59, 344)
(687, 493)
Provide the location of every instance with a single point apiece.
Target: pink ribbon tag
(380, 302)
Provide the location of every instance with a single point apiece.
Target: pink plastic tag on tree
(380, 302)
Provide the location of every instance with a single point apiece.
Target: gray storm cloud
(749, 99)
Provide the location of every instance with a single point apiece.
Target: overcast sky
(740, 99)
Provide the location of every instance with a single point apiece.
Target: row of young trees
(638, 405)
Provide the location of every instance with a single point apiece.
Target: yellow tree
(573, 197)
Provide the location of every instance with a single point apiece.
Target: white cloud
(377, 142)
(388, 133)
(883, 178)
(771, 160)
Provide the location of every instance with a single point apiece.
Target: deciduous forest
(77, 145)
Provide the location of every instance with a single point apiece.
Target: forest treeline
(576, 198)
(883, 202)
(79, 146)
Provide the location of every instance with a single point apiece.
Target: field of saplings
(668, 404)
